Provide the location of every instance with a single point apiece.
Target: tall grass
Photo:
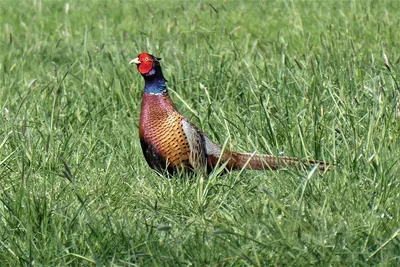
(312, 80)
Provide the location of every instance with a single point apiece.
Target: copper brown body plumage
(161, 133)
(172, 143)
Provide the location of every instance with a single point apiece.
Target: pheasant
(170, 142)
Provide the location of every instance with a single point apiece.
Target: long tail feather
(239, 161)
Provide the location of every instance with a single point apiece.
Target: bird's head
(148, 65)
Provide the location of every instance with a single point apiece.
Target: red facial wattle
(146, 63)
(145, 67)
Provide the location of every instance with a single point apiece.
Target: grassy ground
(300, 79)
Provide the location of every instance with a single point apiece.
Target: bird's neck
(155, 84)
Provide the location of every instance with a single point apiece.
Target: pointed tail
(251, 161)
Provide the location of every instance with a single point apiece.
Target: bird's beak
(134, 61)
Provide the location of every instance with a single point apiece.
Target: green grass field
(315, 80)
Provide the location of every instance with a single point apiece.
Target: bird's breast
(161, 127)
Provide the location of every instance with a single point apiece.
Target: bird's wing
(198, 157)
(212, 149)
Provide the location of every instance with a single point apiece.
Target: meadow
(314, 80)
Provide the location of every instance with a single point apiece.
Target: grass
(294, 78)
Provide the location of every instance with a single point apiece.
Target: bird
(171, 143)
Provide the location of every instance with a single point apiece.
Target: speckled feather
(161, 128)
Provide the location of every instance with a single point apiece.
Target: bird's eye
(147, 59)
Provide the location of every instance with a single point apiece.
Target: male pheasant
(171, 143)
